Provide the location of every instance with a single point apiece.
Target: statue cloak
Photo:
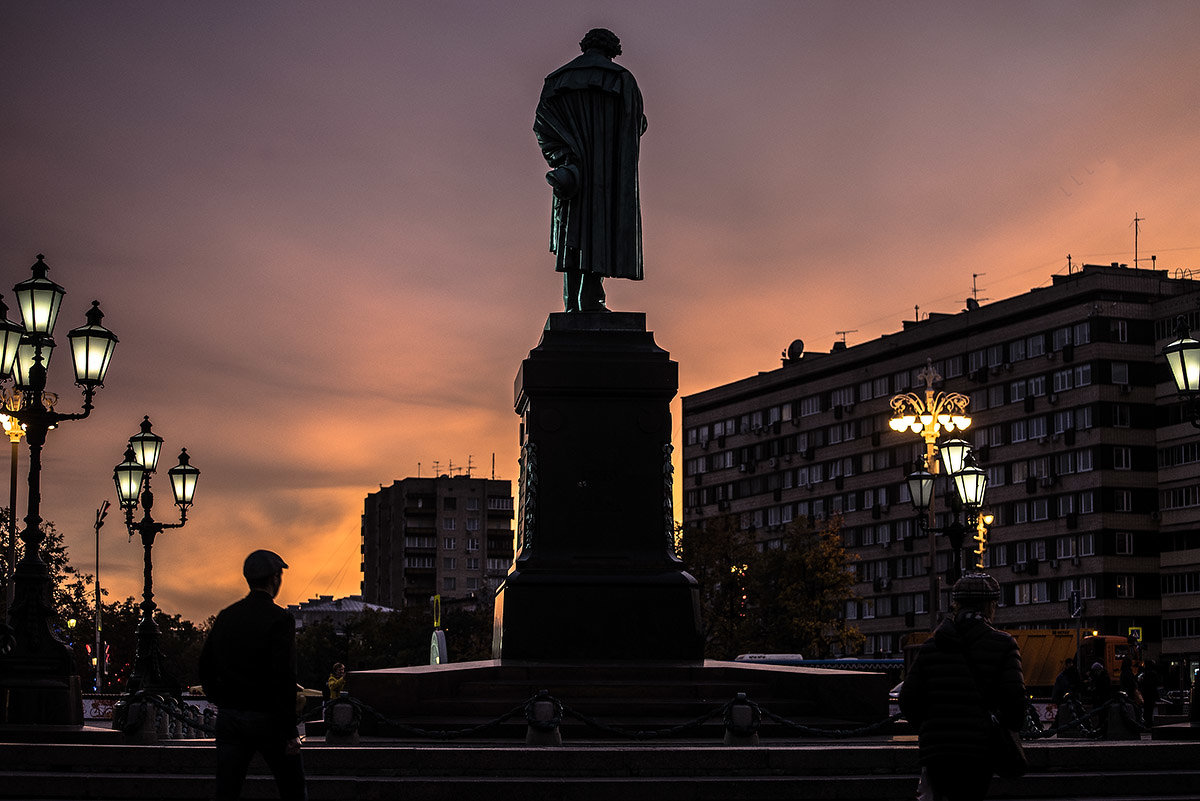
(590, 117)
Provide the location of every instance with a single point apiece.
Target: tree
(787, 599)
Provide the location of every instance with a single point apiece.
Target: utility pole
(101, 513)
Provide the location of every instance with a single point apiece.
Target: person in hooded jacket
(963, 674)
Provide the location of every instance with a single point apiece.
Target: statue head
(601, 39)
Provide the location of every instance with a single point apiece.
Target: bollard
(543, 714)
(162, 722)
(741, 722)
(135, 718)
(1122, 720)
(342, 717)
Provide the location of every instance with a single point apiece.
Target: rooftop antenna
(975, 287)
(493, 465)
(470, 467)
(436, 468)
(842, 334)
(917, 312)
(450, 468)
(1068, 264)
(418, 469)
(1136, 229)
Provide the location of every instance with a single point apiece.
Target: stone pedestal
(595, 575)
(38, 682)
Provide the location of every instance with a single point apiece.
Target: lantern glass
(92, 347)
(183, 481)
(10, 340)
(1183, 357)
(39, 299)
(128, 476)
(146, 446)
(954, 455)
(920, 487)
(971, 484)
(27, 352)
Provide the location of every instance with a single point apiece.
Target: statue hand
(564, 181)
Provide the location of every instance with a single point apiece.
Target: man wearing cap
(248, 669)
(964, 671)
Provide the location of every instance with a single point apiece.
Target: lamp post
(928, 416)
(38, 676)
(14, 430)
(132, 477)
(1183, 357)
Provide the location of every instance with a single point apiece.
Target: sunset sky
(320, 228)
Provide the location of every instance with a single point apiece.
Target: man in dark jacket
(248, 669)
(963, 673)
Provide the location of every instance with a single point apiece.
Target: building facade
(1092, 470)
(338, 611)
(450, 536)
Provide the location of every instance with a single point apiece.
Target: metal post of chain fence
(543, 714)
(342, 719)
(741, 722)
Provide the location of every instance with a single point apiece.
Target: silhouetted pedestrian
(1149, 683)
(336, 681)
(248, 669)
(964, 674)
(1101, 692)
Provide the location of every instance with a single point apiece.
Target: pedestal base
(568, 617)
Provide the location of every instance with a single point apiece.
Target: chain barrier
(183, 720)
(836, 734)
(1081, 718)
(175, 719)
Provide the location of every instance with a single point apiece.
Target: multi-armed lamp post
(132, 477)
(37, 672)
(929, 416)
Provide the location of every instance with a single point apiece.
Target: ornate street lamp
(132, 479)
(37, 674)
(1183, 357)
(929, 415)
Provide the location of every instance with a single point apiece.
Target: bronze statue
(588, 123)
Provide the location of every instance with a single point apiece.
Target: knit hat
(975, 590)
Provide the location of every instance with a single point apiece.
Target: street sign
(1136, 631)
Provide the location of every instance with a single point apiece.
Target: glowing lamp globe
(39, 299)
(128, 476)
(92, 347)
(27, 352)
(183, 480)
(1183, 357)
(920, 488)
(146, 446)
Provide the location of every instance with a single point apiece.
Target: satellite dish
(795, 350)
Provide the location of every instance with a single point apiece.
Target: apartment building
(450, 536)
(1092, 470)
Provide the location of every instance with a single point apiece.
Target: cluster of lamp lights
(25, 352)
(132, 476)
(25, 349)
(970, 481)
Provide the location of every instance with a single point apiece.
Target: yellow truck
(1044, 650)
